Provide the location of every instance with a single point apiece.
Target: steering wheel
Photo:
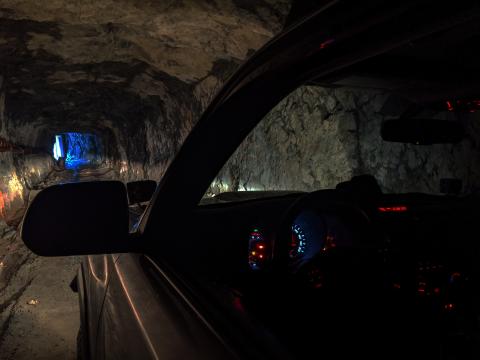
(339, 246)
(334, 282)
(347, 272)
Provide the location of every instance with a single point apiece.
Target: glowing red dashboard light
(449, 307)
(463, 105)
(449, 106)
(401, 208)
(258, 250)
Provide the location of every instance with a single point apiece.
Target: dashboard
(294, 262)
(421, 256)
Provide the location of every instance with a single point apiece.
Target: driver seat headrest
(362, 185)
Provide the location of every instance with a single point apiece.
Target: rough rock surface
(137, 73)
(19, 174)
(317, 137)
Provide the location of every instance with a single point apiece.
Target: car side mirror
(140, 191)
(78, 219)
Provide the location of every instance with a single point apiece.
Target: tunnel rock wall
(139, 73)
(318, 137)
(19, 174)
(21, 170)
(169, 109)
(150, 131)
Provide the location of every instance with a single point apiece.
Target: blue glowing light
(81, 149)
(58, 147)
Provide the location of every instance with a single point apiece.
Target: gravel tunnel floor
(39, 313)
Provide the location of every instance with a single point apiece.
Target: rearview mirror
(140, 191)
(422, 131)
(78, 219)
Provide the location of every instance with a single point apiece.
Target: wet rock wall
(22, 168)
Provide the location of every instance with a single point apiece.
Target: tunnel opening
(78, 149)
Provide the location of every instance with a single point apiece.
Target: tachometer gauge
(298, 242)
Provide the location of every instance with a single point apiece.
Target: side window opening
(318, 137)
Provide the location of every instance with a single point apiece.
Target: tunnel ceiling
(101, 64)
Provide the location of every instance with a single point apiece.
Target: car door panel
(96, 270)
(145, 319)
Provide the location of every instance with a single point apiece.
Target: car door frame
(308, 51)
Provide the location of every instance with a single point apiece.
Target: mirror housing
(140, 191)
(78, 219)
(422, 131)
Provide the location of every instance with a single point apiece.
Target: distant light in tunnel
(58, 147)
(77, 145)
(78, 149)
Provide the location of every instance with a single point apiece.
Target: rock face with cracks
(317, 137)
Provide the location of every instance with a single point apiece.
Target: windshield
(318, 137)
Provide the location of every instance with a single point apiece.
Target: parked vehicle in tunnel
(346, 270)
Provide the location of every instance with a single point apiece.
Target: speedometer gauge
(298, 242)
(308, 231)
